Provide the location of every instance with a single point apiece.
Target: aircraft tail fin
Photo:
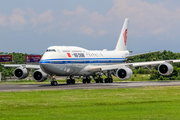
(122, 42)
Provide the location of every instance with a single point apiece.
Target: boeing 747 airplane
(78, 62)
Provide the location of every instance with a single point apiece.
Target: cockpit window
(50, 50)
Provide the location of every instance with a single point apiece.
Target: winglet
(122, 42)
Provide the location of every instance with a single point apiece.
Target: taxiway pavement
(29, 87)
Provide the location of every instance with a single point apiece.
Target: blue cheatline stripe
(83, 60)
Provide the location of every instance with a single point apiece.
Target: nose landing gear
(53, 82)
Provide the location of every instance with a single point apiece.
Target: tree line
(157, 56)
(20, 58)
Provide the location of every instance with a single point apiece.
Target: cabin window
(50, 50)
(66, 50)
(76, 51)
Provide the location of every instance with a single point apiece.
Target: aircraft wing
(130, 65)
(22, 65)
(142, 54)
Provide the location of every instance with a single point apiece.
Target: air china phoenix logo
(125, 37)
(69, 55)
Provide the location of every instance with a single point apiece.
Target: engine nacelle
(165, 69)
(124, 73)
(39, 76)
(21, 72)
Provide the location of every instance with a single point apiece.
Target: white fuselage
(70, 61)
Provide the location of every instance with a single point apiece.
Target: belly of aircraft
(62, 69)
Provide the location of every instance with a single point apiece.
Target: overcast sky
(30, 26)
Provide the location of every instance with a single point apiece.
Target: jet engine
(39, 76)
(165, 69)
(124, 73)
(21, 72)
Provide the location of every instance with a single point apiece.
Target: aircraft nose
(43, 64)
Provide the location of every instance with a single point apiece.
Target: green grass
(146, 103)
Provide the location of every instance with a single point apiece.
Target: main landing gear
(99, 79)
(70, 81)
(109, 79)
(86, 80)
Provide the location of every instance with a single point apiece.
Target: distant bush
(141, 71)
(174, 76)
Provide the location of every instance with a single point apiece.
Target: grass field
(146, 103)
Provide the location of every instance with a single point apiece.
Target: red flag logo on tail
(125, 37)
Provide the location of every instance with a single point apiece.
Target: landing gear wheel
(84, 81)
(54, 83)
(72, 81)
(101, 80)
(88, 80)
(97, 80)
(110, 80)
(106, 80)
(68, 81)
